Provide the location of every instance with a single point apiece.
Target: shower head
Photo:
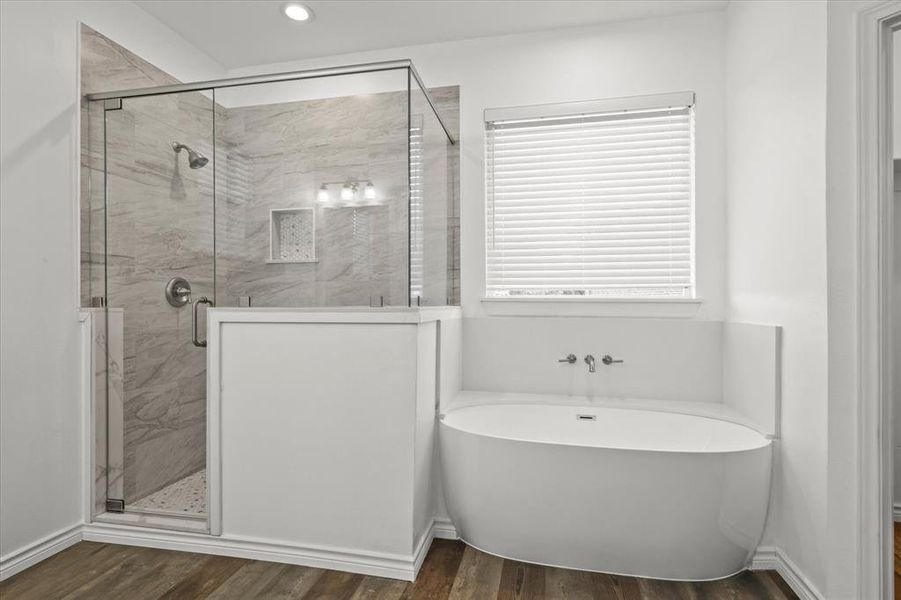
(196, 160)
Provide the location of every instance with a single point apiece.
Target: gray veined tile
(160, 224)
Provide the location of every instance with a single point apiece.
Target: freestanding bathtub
(633, 492)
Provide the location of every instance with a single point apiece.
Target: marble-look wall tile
(146, 217)
(447, 103)
(115, 405)
(291, 149)
(98, 321)
(159, 224)
(150, 462)
(107, 403)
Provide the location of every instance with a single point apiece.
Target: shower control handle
(194, 321)
(569, 358)
(178, 292)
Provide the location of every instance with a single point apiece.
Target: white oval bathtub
(634, 492)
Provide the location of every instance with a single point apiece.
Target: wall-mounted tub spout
(589, 360)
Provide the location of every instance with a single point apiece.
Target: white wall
(776, 110)
(664, 359)
(40, 404)
(611, 60)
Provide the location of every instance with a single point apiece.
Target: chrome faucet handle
(569, 358)
(609, 360)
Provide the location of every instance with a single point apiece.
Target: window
(417, 222)
(591, 199)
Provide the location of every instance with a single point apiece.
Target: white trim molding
(395, 566)
(771, 558)
(873, 299)
(590, 107)
(681, 308)
(443, 529)
(21, 559)
(379, 564)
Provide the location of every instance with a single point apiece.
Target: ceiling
(239, 34)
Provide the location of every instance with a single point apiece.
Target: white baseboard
(444, 529)
(438, 529)
(395, 566)
(771, 558)
(21, 559)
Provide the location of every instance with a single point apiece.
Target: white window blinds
(417, 223)
(591, 203)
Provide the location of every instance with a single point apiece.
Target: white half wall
(41, 445)
(311, 457)
(628, 58)
(775, 110)
(752, 373)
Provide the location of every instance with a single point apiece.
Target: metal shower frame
(213, 84)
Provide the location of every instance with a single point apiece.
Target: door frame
(874, 243)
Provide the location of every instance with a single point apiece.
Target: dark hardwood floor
(451, 570)
(897, 561)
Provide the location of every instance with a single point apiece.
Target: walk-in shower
(322, 188)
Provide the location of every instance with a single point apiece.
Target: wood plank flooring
(897, 561)
(451, 570)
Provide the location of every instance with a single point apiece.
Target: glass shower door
(160, 266)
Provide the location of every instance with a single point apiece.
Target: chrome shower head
(196, 160)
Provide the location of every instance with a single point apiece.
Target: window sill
(677, 308)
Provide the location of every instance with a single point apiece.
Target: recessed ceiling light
(297, 12)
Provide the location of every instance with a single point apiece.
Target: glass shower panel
(159, 207)
(430, 192)
(312, 192)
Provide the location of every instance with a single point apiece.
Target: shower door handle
(194, 321)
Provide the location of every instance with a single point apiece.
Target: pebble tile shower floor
(187, 495)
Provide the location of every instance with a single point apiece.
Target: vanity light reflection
(349, 194)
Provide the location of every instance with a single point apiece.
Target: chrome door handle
(194, 327)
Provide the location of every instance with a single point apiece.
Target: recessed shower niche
(292, 235)
(239, 215)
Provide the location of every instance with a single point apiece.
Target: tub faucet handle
(569, 358)
(609, 360)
